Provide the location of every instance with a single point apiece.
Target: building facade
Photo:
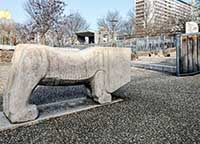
(159, 11)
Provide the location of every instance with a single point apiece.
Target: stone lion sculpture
(102, 70)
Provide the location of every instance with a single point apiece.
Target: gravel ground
(157, 109)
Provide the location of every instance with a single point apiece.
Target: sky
(91, 10)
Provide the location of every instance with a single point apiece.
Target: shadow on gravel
(52, 94)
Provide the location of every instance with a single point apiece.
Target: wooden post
(190, 47)
(184, 55)
(198, 53)
(188, 54)
(178, 49)
(194, 52)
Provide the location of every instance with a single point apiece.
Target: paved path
(157, 108)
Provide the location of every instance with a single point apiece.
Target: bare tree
(45, 14)
(180, 22)
(25, 33)
(74, 23)
(160, 27)
(128, 25)
(112, 22)
(60, 35)
(65, 31)
(196, 4)
(57, 35)
(148, 17)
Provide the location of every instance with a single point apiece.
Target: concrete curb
(7, 47)
(58, 109)
(156, 67)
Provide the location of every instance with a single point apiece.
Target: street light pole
(114, 22)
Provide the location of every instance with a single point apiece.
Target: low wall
(6, 53)
(6, 56)
(162, 53)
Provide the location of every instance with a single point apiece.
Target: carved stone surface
(102, 70)
(192, 27)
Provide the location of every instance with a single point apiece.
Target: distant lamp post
(114, 23)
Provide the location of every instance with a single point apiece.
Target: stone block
(192, 27)
(101, 70)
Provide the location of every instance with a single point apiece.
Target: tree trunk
(42, 39)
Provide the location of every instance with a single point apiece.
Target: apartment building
(159, 11)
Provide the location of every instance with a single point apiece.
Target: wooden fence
(188, 54)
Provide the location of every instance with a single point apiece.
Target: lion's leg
(89, 90)
(23, 79)
(99, 92)
(19, 109)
